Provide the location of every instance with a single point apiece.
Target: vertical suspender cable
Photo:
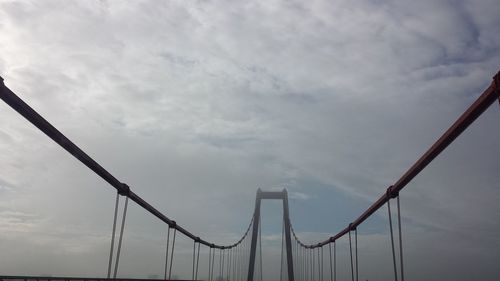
(213, 262)
(401, 239)
(319, 264)
(320, 275)
(241, 268)
(113, 235)
(281, 257)
(166, 253)
(356, 249)
(209, 262)
(296, 268)
(249, 241)
(312, 266)
(322, 263)
(121, 237)
(294, 261)
(334, 261)
(260, 248)
(301, 263)
(350, 252)
(392, 240)
(237, 262)
(233, 261)
(304, 256)
(311, 259)
(297, 262)
(172, 256)
(316, 256)
(221, 264)
(240, 257)
(319, 267)
(304, 264)
(308, 264)
(229, 262)
(194, 259)
(197, 262)
(331, 267)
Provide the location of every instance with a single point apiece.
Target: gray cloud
(197, 104)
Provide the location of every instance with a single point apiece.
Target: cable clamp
(125, 190)
(351, 227)
(173, 224)
(391, 193)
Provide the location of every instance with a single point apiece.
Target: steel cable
(166, 253)
(260, 248)
(356, 248)
(172, 256)
(121, 238)
(209, 262)
(350, 252)
(197, 262)
(282, 246)
(331, 268)
(113, 234)
(392, 240)
(401, 239)
(194, 257)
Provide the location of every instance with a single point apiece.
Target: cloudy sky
(196, 104)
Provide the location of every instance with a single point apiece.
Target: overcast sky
(196, 104)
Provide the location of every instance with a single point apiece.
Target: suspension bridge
(242, 259)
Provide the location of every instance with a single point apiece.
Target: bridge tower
(279, 195)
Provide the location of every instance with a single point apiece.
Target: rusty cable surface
(487, 98)
(16, 103)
